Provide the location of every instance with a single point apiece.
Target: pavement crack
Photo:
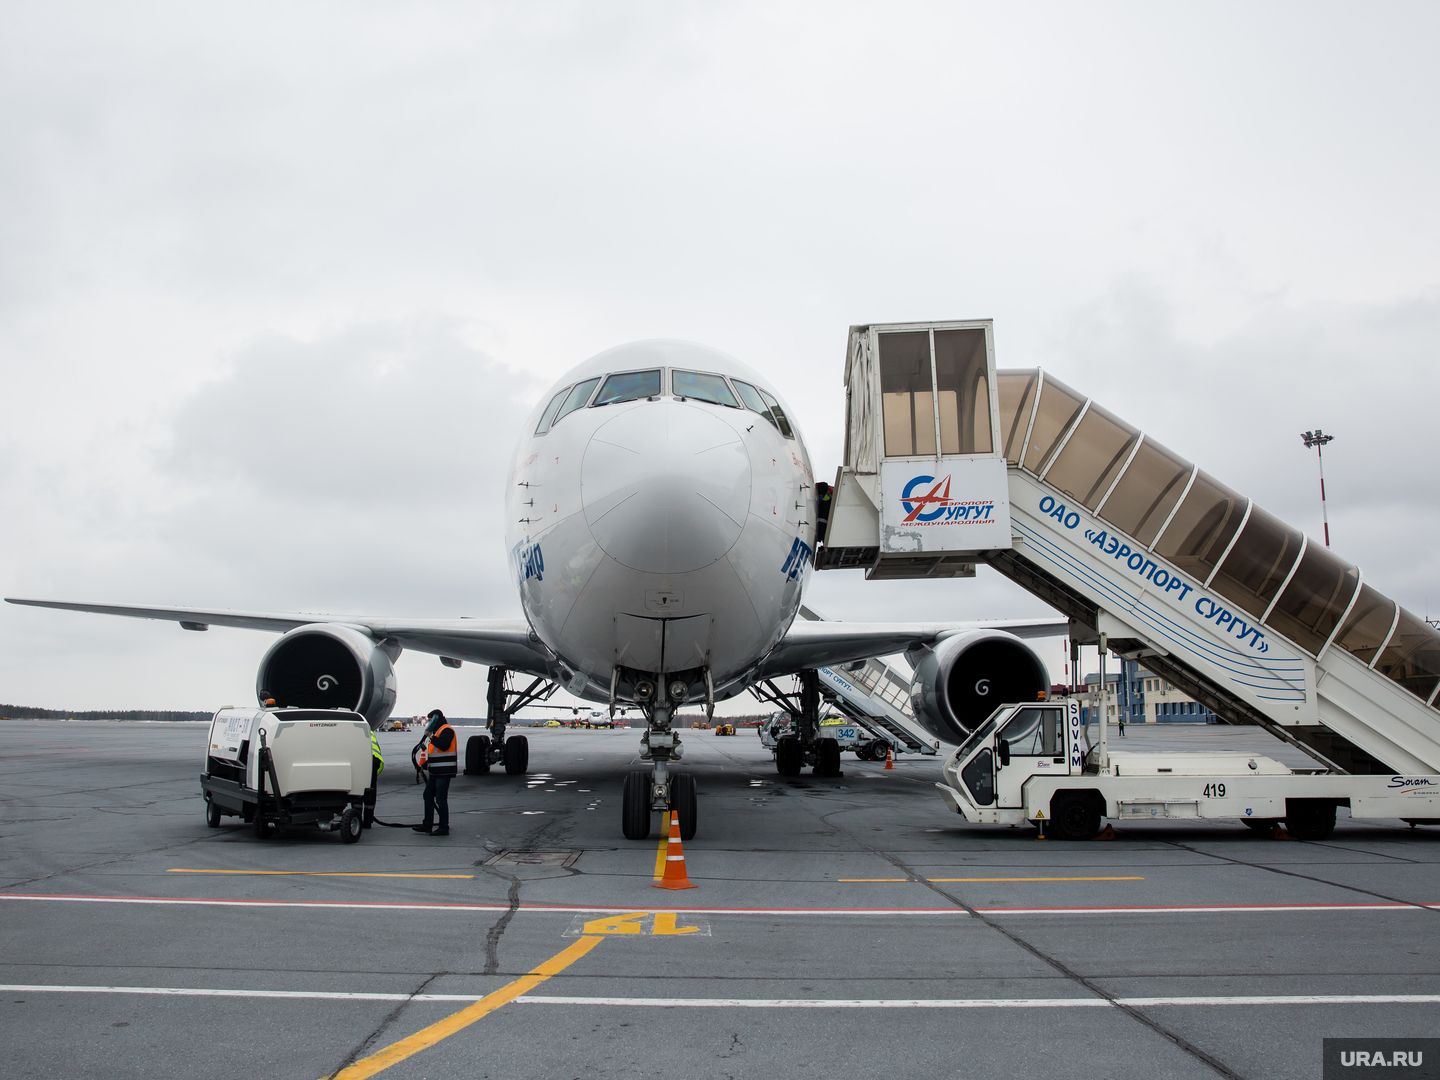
(385, 1021)
(1045, 958)
(1303, 877)
(493, 935)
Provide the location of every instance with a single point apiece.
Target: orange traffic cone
(890, 758)
(674, 876)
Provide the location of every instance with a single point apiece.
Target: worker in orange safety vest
(441, 756)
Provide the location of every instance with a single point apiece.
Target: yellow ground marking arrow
(313, 873)
(427, 1037)
(873, 879)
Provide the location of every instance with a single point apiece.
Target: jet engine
(965, 678)
(327, 666)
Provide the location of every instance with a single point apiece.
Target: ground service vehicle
(1033, 763)
(281, 767)
(725, 729)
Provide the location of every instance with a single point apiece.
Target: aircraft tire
(635, 806)
(827, 758)
(789, 757)
(477, 755)
(684, 802)
(517, 755)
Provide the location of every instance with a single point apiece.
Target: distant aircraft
(660, 519)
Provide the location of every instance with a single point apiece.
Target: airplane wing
(503, 642)
(812, 642)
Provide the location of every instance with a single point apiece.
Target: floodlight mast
(1318, 439)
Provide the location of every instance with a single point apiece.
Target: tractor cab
(990, 769)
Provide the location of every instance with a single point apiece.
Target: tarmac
(838, 926)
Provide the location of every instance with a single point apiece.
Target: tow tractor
(1034, 763)
(275, 768)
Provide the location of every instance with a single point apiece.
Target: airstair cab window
(963, 391)
(711, 388)
(629, 386)
(1368, 626)
(1316, 598)
(1259, 563)
(576, 399)
(1059, 405)
(1412, 658)
(1017, 398)
(548, 417)
(1093, 456)
(907, 397)
(780, 421)
(1035, 732)
(1202, 527)
(1148, 491)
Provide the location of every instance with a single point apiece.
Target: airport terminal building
(1142, 697)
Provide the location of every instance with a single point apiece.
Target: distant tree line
(25, 712)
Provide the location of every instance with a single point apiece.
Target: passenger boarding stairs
(1243, 612)
(875, 695)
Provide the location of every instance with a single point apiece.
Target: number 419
(1214, 791)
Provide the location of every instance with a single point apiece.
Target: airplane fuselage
(660, 532)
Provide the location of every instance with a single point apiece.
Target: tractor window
(1035, 732)
(979, 777)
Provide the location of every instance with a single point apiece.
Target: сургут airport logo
(927, 501)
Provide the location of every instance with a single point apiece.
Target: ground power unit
(277, 768)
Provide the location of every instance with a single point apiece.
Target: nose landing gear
(659, 789)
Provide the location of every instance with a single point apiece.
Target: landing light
(678, 690)
(644, 690)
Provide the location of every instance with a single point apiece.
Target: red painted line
(573, 909)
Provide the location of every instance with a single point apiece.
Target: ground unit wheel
(1074, 816)
(350, 825)
(1260, 824)
(879, 750)
(827, 757)
(635, 806)
(685, 804)
(789, 757)
(517, 755)
(264, 829)
(1309, 819)
(212, 815)
(477, 754)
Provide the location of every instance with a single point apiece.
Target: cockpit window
(575, 399)
(711, 388)
(780, 420)
(753, 401)
(629, 386)
(549, 416)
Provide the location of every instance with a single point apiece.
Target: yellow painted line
(995, 879)
(311, 873)
(664, 845)
(427, 1037)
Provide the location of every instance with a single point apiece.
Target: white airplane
(661, 523)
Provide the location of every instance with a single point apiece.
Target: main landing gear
(804, 747)
(659, 788)
(483, 751)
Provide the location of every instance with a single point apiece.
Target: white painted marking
(745, 1003)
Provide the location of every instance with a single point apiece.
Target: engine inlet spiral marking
(325, 682)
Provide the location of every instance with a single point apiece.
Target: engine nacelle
(325, 666)
(965, 678)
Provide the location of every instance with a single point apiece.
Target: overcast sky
(277, 280)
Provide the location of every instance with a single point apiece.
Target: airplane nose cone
(666, 487)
